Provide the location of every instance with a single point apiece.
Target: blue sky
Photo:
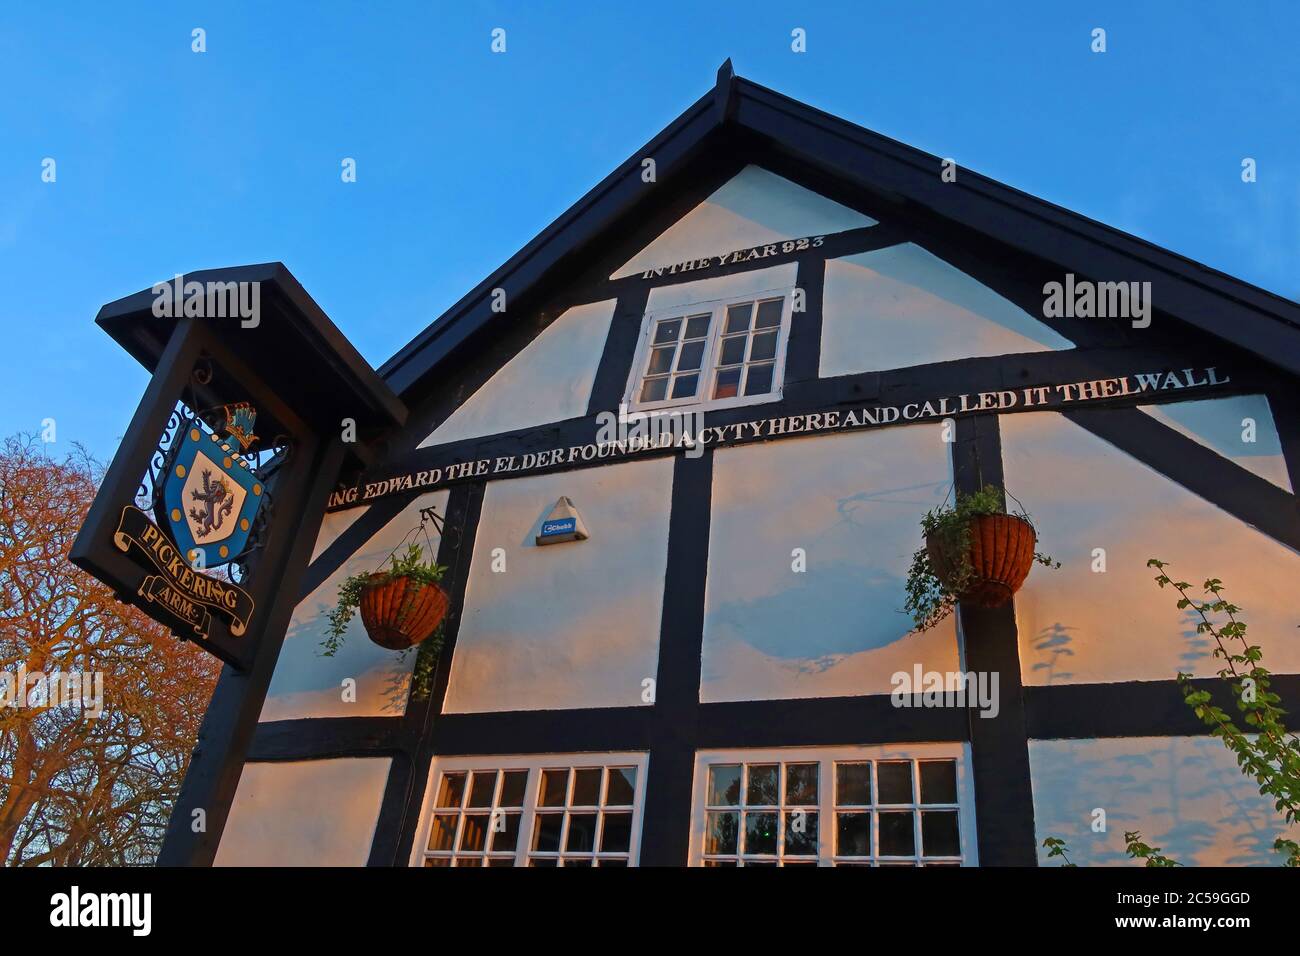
(170, 161)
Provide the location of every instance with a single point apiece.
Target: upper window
(721, 354)
(541, 810)
(854, 806)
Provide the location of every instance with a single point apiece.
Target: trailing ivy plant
(411, 566)
(426, 663)
(929, 598)
(1267, 752)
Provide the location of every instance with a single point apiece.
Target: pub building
(674, 456)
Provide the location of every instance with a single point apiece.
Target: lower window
(841, 806)
(539, 810)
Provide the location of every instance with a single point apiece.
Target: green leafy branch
(1268, 753)
(1140, 851)
(1057, 847)
(1271, 754)
(1132, 843)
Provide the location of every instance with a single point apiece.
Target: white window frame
(827, 757)
(718, 309)
(534, 764)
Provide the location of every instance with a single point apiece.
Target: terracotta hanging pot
(400, 612)
(1001, 551)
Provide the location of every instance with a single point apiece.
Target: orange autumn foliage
(77, 790)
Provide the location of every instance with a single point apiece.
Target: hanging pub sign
(185, 530)
(204, 518)
(206, 515)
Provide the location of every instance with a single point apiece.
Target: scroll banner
(180, 589)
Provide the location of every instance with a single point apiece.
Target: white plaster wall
(305, 684)
(573, 624)
(1183, 794)
(1218, 424)
(333, 525)
(309, 813)
(903, 306)
(549, 380)
(753, 208)
(1079, 626)
(853, 502)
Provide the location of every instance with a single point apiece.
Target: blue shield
(210, 498)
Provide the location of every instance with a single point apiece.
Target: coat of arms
(211, 495)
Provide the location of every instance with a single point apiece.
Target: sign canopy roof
(290, 342)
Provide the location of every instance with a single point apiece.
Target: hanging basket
(400, 613)
(1001, 551)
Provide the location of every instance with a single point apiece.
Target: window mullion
(708, 362)
(916, 811)
(780, 813)
(528, 817)
(874, 820)
(826, 799)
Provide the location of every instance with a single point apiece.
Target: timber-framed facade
(606, 685)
